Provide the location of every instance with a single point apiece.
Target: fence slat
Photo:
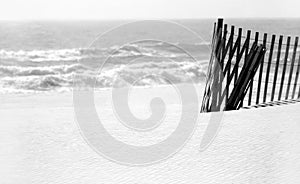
(299, 92)
(269, 67)
(206, 96)
(261, 71)
(206, 106)
(216, 81)
(224, 45)
(292, 68)
(276, 68)
(296, 79)
(239, 39)
(246, 55)
(221, 76)
(284, 66)
(230, 43)
(251, 83)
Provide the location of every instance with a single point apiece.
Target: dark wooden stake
(292, 68)
(296, 78)
(261, 71)
(276, 67)
(269, 67)
(251, 83)
(284, 67)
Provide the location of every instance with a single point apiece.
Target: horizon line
(139, 19)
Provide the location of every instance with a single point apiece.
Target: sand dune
(41, 143)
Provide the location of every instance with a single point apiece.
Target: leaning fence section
(249, 68)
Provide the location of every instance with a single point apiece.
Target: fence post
(284, 66)
(207, 90)
(239, 39)
(251, 83)
(296, 78)
(246, 55)
(269, 67)
(261, 71)
(216, 76)
(229, 63)
(292, 68)
(276, 68)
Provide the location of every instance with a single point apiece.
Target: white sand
(40, 143)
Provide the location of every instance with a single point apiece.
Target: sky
(146, 9)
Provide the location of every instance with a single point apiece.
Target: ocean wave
(58, 77)
(46, 70)
(146, 48)
(39, 71)
(41, 55)
(35, 83)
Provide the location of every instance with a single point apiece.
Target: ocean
(42, 56)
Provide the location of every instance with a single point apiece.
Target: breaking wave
(47, 70)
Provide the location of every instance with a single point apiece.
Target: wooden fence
(249, 68)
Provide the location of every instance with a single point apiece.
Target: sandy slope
(40, 143)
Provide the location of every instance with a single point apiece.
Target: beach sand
(40, 142)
